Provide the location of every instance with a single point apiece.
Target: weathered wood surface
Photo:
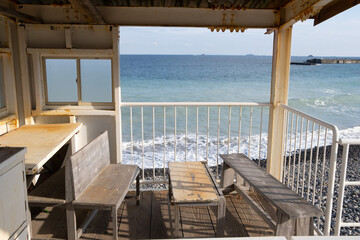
(284, 199)
(191, 183)
(110, 187)
(86, 164)
(42, 142)
(92, 182)
(150, 220)
(50, 192)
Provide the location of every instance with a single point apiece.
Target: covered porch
(81, 32)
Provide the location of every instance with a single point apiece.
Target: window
(2, 88)
(96, 80)
(78, 81)
(61, 76)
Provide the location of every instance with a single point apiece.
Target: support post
(14, 48)
(278, 95)
(25, 75)
(117, 91)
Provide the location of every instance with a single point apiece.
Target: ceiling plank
(18, 15)
(333, 9)
(89, 10)
(300, 10)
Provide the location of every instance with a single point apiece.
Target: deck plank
(136, 220)
(158, 217)
(254, 224)
(234, 226)
(151, 220)
(162, 197)
(196, 222)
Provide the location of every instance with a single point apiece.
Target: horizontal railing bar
(352, 183)
(154, 181)
(169, 104)
(349, 141)
(353, 224)
(313, 119)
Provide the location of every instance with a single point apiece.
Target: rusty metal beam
(300, 10)
(333, 9)
(88, 9)
(18, 15)
(164, 16)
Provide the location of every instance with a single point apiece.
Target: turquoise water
(329, 92)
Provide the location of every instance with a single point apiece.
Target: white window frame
(78, 82)
(10, 110)
(44, 108)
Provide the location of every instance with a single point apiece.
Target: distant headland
(315, 61)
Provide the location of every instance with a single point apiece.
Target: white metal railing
(191, 131)
(310, 173)
(344, 183)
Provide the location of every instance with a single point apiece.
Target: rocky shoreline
(351, 205)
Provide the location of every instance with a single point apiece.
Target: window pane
(2, 86)
(96, 80)
(61, 80)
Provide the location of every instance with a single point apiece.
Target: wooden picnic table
(42, 142)
(192, 184)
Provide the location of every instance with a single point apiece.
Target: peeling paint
(308, 13)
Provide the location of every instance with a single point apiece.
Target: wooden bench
(92, 182)
(192, 184)
(294, 215)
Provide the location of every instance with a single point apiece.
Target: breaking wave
(154, 153)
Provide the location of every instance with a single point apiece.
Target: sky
(338, 36)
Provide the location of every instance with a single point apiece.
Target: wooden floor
(151, 220)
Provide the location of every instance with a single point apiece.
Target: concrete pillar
(278, 95)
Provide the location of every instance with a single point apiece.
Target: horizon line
(246, 55)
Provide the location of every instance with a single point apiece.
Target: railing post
(330, 187)
(278, 95)
(340, 200)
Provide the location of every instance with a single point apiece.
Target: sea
(330, 92)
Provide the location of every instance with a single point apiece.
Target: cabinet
(14, 220)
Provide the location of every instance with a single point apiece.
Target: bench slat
(97, 156)
(109, 188)
(284, 199)
(190, 183)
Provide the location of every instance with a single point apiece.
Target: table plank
(283, 198)
(42, 142)
(191, 183)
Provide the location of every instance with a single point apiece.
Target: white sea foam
(155, 154)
